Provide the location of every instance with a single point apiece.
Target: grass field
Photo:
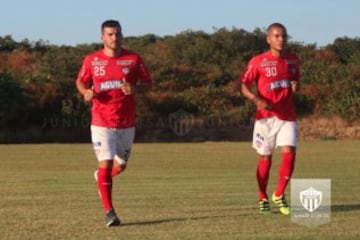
(169, 191)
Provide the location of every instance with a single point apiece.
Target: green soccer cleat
(264, 206)
(281, 203)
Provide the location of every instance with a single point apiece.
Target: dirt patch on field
(327, 128)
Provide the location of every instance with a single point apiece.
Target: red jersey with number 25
(110, 106)
(272, 76)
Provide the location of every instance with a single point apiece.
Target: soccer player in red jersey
(109, 78)
(275, 74)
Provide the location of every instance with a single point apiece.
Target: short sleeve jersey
(110, 106)
(272, 76)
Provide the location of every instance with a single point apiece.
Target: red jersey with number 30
(272, 76)
(110, 106)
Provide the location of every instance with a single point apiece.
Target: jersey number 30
(270, 71)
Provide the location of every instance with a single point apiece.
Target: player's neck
(112, 52)
(277, 53)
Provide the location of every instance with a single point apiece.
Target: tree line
(193, 72)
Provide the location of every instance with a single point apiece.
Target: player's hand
(262, 104)
(128, 88)
(294, 86)
(89, 94)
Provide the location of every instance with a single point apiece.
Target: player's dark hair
(110, 23)
(277, 25)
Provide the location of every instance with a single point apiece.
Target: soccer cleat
(111, 219)
(281, 203)
(264, 206)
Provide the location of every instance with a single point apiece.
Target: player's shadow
(345, 208)
(334, 208)
(160, 221)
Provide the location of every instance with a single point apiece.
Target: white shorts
(112, 143)
(272, 132)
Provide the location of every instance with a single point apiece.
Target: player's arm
(249, 94)
(247, 79)
(83, 79)
(84, 89)
(295, 86)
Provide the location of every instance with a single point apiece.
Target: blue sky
(72, 22)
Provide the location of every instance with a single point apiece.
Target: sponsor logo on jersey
(124, 62)
(111, 84)
(279, 84)
(97, 62)
(125, 70)
(266, 63)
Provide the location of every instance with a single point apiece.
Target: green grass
(169, 191)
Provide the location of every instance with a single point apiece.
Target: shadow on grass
(334, 208)
(345, 208)
(160, 221)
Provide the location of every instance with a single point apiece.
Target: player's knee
(119, 166)
(265, 157)
(291, 149)
(105, 164)
(122, 167)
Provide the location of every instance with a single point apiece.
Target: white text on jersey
(279, 84)
(111, 84)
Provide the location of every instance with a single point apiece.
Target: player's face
(112, 37)
(277, 38)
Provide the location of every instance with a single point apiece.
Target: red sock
(262, 175)
(115, 171)
(285, 171)
(105, 187)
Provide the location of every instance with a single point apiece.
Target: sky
(72, 22)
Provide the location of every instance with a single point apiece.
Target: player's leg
(104, 182)
(125, 139)
(118, 167)
(287, 140)
(262, 174)
(104, 148)
(264, 143)
(286, 168)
